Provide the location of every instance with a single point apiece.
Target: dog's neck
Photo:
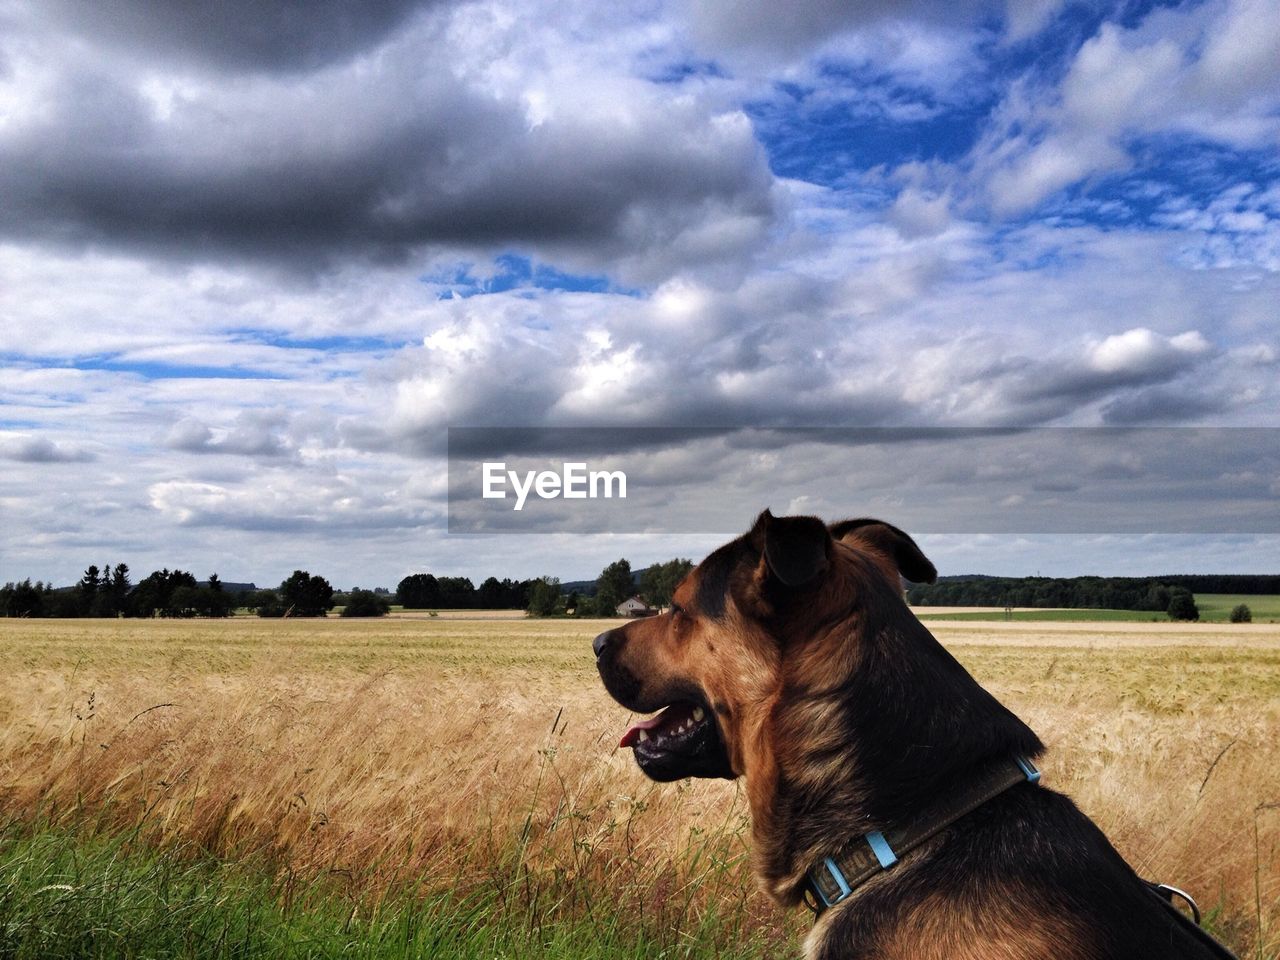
(864, 747)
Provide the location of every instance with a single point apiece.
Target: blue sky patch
(157, 370)
(811, 136)
(517, 272)
(334, 344)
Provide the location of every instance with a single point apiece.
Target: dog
(887, 789)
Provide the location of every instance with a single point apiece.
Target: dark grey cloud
(1079, 383)
(1182, 402)
(1117, 371)
(404, 153)
(252, 435)
(236, 35)
(41, 450)
(761, 26)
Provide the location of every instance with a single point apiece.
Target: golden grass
(469, 752)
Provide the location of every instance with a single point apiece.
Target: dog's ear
(795, 549)
(893, 543)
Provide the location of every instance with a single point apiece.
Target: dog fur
(843, 714)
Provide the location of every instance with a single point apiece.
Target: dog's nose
(602, 641)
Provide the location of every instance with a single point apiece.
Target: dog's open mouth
(681, 741)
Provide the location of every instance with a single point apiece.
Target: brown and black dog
(790, 658)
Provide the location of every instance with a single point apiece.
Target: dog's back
(1027, 876)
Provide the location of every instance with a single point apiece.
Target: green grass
(1217, 606)
(1024, 616)
(63, 896)
(1214, 608)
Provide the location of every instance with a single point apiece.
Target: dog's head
(757, 617)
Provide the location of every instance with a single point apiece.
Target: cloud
(1205, 71)
(868, 328)
(191, 435)
(1239, 56)
(459, 130)
(916, 214)
(35, 449)
(755, 27)
(1237, 227)
(278, 502)
(1163, 404)
(259, 35)
(1141, 353)
(1050, 165)
(1011, 387)
(1027, 17)
(254, 434)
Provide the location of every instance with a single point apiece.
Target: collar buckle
(842, 885)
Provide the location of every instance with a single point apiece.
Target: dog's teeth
(644, 735)
(698, 714)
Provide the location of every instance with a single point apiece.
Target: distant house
(635, 607)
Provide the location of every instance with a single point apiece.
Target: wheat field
(478, 756)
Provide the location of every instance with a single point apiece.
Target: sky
(257, 257)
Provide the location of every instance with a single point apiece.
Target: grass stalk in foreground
(63, 896)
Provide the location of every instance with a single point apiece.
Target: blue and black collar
(836, 877)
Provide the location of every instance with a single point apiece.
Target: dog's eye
(676, 610)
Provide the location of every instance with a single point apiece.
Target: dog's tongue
(674, 716)
(631, 735)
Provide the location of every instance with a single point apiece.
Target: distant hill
(1104, 593)
(231, 586)
(587, 588)
(987, 585)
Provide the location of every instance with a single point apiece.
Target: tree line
(109, 592)
(1172, 595)
(544, 596)
(425, 591)
(654, 585)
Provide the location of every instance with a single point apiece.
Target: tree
(1157, 598)
(659, 581)
(366, 603)
(22, 599)
(87, 591)
(153, 596)
(571, 603)
(1241, 613)
(305, 595)
(265, 603)
(543, 596)
(456, 593)
(118, 591)
(418, 591)
(216, 601)
(492, 595)
(1182, 605)
(613, 586)
(518, 593)
(186, 601)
